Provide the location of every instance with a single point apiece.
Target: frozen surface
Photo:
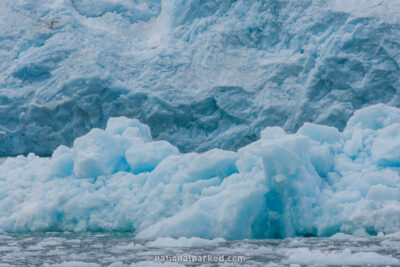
(201, 74)
(122, 250)
(316, 182)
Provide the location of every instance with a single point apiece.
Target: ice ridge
(200, 74)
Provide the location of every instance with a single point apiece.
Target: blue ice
(318, 181)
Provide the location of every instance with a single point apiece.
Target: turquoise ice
(318, 181)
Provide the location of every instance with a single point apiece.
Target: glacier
(200, 74)
(318, 181)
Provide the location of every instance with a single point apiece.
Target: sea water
(123, 249)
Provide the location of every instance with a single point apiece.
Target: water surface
(122, 249)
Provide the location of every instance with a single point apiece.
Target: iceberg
(316, 182)
(200, 75)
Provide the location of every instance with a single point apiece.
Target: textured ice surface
(200, 74)
(318, 181)
(168, 242)
(345, 257)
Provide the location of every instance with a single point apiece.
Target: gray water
(122, 249)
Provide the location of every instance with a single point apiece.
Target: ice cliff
(318, 181)
(201, 74)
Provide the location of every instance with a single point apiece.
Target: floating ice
(311, 257)
(312, 182)
(73, 264)
(185, 242)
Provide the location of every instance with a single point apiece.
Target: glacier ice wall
(201, 74)
(318, 181)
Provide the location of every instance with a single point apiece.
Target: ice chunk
(322, 159)
(354, 145)
(383, 192)
(218, 215)
(62, 162)
(341, 236)
(374, 117)
(272, 133)
(386, 147)
(97, 153)
(320, 133)
(289, 172)
(213, 163)
(128, 127)
(146, 157)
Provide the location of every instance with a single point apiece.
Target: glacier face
(201, 74)
(318, 181)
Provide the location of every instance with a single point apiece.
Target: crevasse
(200, 74)
(317, 181)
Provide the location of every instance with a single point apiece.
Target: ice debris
(316, 182)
